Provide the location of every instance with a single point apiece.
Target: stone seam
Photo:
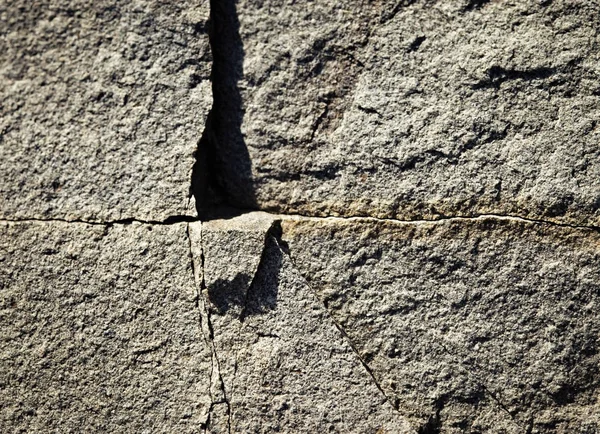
(187, 219)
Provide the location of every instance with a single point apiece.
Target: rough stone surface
(414, 109)
(468, 325)
(284, 365)
(99, 330)
(168, 305)
(101, 107)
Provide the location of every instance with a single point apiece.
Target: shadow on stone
(264, 289)
(246, 295)
(227, 294)
(222, 175)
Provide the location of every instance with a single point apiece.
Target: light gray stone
(483, 325)
(389, 109)
(103, 104)
(415, 109)
(284, 365)
(99, 330)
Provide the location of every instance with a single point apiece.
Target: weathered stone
(103, 104)
(413, 109)
(484, 325)
(284, 365)
(390, 109)
(99, 330)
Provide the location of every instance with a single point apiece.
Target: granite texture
(413, 109)
(100, 330)
(256, 216)
(485, 325)
(101, 107)
(284, 364)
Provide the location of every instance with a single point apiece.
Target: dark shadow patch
(475, 4)
(252, 295)
(225, 294)
(263, 291)
(416, 43)
(222, 174)
(496, 75)
(560, 206)
(433, 424)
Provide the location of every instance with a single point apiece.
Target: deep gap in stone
(222, 175)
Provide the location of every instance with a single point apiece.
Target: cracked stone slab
(100, 330)
(470, 325)
(416, 109)
(284, 365)
(102, 105)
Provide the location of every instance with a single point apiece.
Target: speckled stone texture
(350, 216)
(100, 331)
(416, 109)
(101, 107)
(284, 364)
(469, 325)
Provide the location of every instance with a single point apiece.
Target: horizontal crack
(358, 218)
(444, 219)
(171, 220)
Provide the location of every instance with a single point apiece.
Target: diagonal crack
(284, 249)
(484, 387)
(282, 245)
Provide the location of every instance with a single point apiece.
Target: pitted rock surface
(285, 365)
(479, 325)
(415, 109)
(351, 216)
(100, 330)
(102, 107)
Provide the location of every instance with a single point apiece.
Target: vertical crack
(215, 376)
(218, 396)
(222, 174)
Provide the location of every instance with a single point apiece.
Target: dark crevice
(327, 99)
(475, 4)
(327, 172)
(222, 174)
(496, 75)
(171, 220)
(369, 110)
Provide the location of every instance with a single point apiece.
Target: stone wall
(256, 216)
